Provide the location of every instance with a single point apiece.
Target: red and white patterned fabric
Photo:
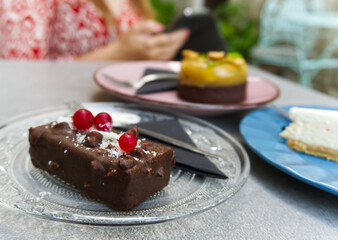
(56, 29)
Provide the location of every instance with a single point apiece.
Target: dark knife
(172, 141)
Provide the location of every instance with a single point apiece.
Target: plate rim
(320, 185)
(104, 220)
(187, 105)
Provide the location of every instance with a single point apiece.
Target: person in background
(92, 30)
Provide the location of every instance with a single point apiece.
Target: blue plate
(260, 130)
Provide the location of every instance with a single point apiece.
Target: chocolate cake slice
(92, 161)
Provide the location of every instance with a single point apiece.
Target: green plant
(241, 32)
(165, 10)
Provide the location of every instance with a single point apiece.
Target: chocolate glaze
(123, 182)
(218, 95)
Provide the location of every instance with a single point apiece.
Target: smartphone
(204, 33)
(191, 22)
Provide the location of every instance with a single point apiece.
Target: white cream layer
(313, 127)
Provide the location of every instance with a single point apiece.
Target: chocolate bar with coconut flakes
(93, 162)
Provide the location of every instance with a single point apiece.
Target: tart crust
(214, 95)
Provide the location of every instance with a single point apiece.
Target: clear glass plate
(33, 191)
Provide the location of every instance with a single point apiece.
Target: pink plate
(259, 91)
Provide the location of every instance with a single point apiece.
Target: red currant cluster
(84, 120)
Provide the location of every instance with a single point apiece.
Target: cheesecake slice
(313, 131)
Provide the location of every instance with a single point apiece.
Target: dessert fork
(281, 111)
(142, 81)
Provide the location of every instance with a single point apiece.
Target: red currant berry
(103, 121)
(127, 142)
(83, 119)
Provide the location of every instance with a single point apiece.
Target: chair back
(275, 28)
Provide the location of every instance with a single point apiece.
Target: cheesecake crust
(319, 151)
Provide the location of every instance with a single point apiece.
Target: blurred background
(296, 39)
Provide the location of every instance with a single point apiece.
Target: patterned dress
(56, 29)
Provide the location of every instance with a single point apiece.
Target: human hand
(147, 41)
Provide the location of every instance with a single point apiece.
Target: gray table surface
(271, 205)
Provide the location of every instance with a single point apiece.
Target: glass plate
(34, 191)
